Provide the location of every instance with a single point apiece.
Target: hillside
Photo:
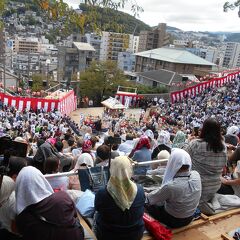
(107, 19)
(233, 37)
(113, 20)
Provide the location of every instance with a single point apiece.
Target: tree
(101, 80)
(59, 10)
(37, 82)
(231, 6)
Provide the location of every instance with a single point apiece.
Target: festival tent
(112, 103)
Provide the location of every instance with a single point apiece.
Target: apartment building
(113, 43)
(72, 60)
(126, 61)
(26, 45)
(135, 44)
(232, 55)
(95, 40)
(156, 38)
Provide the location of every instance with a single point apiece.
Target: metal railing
(71, 173)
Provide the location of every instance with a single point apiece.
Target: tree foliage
(113, 20)
(37, 82)
(101, 80)
(59, 10)
(231, 6)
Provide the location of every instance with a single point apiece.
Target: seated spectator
(142, 153)
(87, 147)
(84, 160)
(120, 205)
(209, 156)
(102, 158)
(44, 151)
(232, 136)
(71, 144)
(52, 165)
(7, 208)
(43, 214)
(159, 168)
(176, 201)
(127, 146)
(66, 160)
(179, 140)
(164, 143)
(7, 196)
(78, 150)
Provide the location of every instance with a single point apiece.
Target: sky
(188, 15)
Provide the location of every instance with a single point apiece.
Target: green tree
(59, 10)
(37, 82)
(101, 80)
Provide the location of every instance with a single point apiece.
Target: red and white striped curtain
(65, 105)
(193, 91)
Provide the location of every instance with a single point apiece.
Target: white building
(95, 40)
(112, 43)
(126, 61)
(135, 44)
(232, 55)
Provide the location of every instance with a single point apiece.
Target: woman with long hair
(209, 156)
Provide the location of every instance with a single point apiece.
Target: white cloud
(196, 15)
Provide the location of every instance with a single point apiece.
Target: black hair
(51, 165)
(16, 164)
(59, 146)
(211, 133)
(103, 152)
(71, 142)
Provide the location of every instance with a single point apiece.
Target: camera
(9, 148)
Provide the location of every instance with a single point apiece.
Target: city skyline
(188, 15)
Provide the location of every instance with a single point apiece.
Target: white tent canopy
(112, 103)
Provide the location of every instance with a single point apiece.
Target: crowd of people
(196, 139)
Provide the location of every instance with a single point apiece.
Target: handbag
(156, 229)
(93, 178)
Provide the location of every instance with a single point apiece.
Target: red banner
(65, 105)
(194, 90)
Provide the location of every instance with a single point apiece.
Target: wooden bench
(206, 228)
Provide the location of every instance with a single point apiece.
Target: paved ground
(97, 111)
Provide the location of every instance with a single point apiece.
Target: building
(156, 38)
(73, 60)
(158, 78)
(113, 43)
(210, 54)
(135, 44)
(182, 43)
(176, 60)
(126, 61)
(232, 55)
(26, 45)
(26, 65)
(95, 40)
(10, 78)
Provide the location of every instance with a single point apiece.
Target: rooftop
(162, 76)
(83, 46)
(175, 56)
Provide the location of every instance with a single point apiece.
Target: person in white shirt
(176, 201)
